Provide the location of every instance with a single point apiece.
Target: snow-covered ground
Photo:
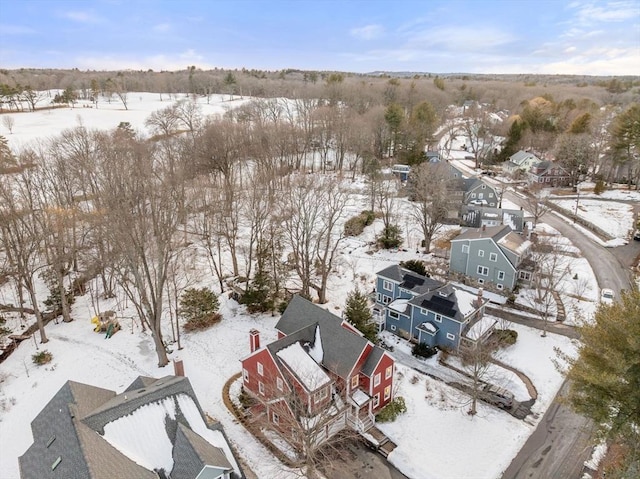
(613, 217)
(436, 438)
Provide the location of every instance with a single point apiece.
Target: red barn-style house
(320, 376)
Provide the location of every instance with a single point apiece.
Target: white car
(607, 295)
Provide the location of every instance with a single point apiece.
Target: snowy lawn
(610, 216)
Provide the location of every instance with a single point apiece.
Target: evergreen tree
(358, 313)
(605, 378)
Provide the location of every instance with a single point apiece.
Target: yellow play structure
(106, 322)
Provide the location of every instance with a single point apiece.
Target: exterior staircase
(379, 441)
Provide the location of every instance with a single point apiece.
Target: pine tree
(605, 378)
(358, 313)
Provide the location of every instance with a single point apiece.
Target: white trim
(261, 387)
(388, 372)
(450, 336)
(438, 318)
(245, 375)
(493, 257)
(260, 368)
(387, 285)
(387, 392)
(376, 380)
(279, 384)
(392, 327)
(481, 253)
(482, 272)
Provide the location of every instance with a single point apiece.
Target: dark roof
(473, 215)
(414, 282)
(191, 453)
(341, 346)
(442, 301)
(70, 426)
(494, 232)
(372, 361)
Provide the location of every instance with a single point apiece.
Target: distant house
(320, 366)
(401, 171)
(522, 160)
(475, 216)
(432, 156)
(427, 311)
(490, 255)
(155, 428)
(548, 173)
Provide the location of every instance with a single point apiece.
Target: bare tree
(8, 122)
(22, 236)
(430, 198)
(551, 268)
(312, 209)
(477, 125)
(476, 364)
(536, 202)
(143, 196)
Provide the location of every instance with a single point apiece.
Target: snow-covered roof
(399, 305)
(514, 242)
(478, 329)
(465, 301)
(316, 351)
(429, 327)
(310, 374)
(359, 397)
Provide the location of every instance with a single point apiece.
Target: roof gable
(448, 301)
(409, 280)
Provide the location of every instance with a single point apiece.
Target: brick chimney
(479, 299)
(178, 367)
(254, 340)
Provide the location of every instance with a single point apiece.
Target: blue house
(424, 310)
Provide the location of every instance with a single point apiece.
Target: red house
(320, 372)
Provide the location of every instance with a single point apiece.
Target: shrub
(599, 188)
(392, 410)
(355, 226)
(43, 357)
(423, 350)
(390, 237)
(199, 308)
(506, 337)
(416, 266)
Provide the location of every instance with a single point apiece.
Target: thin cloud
(16, 30)
(155, 62)
(456, 39)
(162, 27)
(82, 17)
(616, 11)
(368, 32)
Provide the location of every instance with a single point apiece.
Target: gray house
(154, 429)
(489, 255)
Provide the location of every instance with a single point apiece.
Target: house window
(387, 285)
(439, 318)
(465, 248)
(376, 380)
(393, 328)
(245, 375)
(261, 387)
(378, 298)
(481, 253)
(499, 286)
(500, 274)
(376, 400)
(424, 311)
(525, 275)
(473, 195)
(492, 204)
(279, 384)
(450, 336)
(320, 395)
(393, 314)
(354, 381)
(275, 418)
(480, 281)
(386, 299)
(388, 372)
(483, 270)
(387, 393)
(493, 256)
(484, 187)
(260, 369)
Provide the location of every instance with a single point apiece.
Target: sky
(584, 37)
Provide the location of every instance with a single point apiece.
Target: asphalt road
(609, 270)
(562, 441)
(558, 447)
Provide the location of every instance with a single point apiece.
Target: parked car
(636, 235)
(607, 296)
(497, 396)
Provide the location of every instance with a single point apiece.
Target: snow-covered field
(436, 438)
(613, 217)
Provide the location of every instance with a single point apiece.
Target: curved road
(562, 441)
